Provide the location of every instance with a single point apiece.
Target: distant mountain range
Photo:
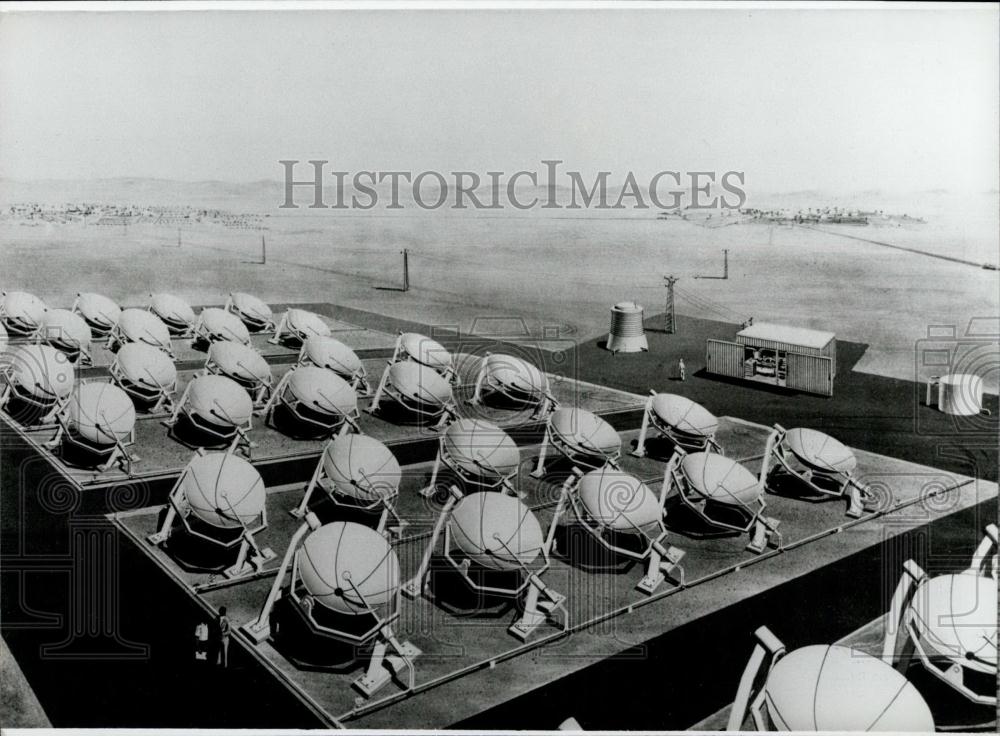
(265, 195)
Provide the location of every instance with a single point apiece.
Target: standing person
(202, 643)
(223, 630)
(681, 373)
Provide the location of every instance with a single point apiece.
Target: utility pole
(406, 269)
(669, 323)
(263, 251)
(725, 263)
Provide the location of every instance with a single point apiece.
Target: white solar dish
(614, 506)
(725, 495)
(255, 314)
(514, 379)
(949, 623)
(420, 390)
(217, 325)
(348, 568)
(147, 374)
(176, 313)
(359, 472)
(220, 498)
(825, 688)
(820, 462)
(682, 421)
(100, 312)
(218, 407)
(582, 437)
(99, 422)
(298, 325)
(330, 353)
(138, 325)
(479, 453)
(425, 351)
(38, 376)
(343, 573)
(67, 332)
(21, 313)
(243, 364)
(317, 398)
(496, 532)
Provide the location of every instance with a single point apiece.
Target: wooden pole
(263, 250)
(725, 263)
(406, 269)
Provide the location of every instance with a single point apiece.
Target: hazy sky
(842, 99)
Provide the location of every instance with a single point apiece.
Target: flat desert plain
(558, 268)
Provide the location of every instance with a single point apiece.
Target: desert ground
(552, 269)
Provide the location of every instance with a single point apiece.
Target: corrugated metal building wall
(813, 373)
(724, 358)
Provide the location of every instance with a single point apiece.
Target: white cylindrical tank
(627, 334)
(960, 394)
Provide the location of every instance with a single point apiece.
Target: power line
(708, 305)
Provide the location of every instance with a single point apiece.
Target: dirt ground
(554, 272)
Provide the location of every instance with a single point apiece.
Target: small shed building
(780, 355)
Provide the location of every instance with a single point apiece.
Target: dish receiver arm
(567, 488)
(750, 694)
(640, 445)
(176, 505)
(984, 560)
(259, 629)
(773, 439)
(415, 587)
(895, 627)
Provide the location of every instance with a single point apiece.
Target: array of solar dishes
(44, 349)
(485, 532)
(494, 541)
